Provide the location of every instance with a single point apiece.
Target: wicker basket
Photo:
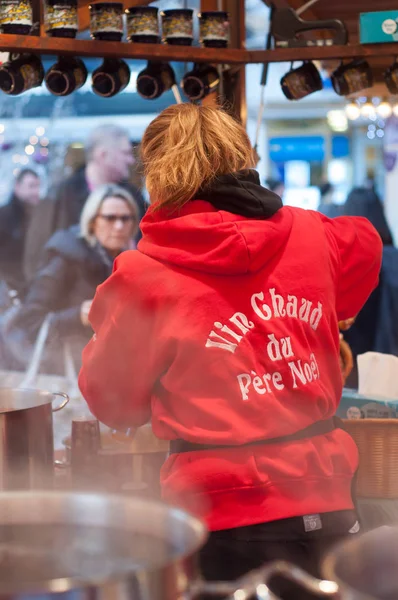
(377, 441)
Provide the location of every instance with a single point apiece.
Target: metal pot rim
(328, 565)
(38, 398)
(66, 584)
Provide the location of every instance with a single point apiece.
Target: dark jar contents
(60, 18)
(214, 29)
(352, 78)
(178, 26)
(16, 16)
(110, 78)
(106, 21)
(156, 79)
(22, 73)
(301, 82)
(66, 76)
(201, 81)
(143, 24)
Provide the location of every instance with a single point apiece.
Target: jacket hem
(241, 507)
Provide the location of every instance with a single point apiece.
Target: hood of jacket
(235, 226)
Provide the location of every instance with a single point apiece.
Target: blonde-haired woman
(223, 329)
(73, 264)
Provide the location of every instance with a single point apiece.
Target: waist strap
(318, 428)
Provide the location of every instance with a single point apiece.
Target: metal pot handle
(255, 584)
(64, 403)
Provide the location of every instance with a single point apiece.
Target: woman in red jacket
(223, 329)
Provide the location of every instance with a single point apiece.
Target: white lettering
(316, 316)
(265, 312)
(273, 348)
(291, 307)
(258, 384)
(287, 350)
(277, 304)
(304, 312)
(267, 378)
(271, 381)
(308, 372)
(277, 381)
(278, 307)
(297, 372)
(242, 322)
(224, 344)
(314, 366)
(229, 331)
(244, 385)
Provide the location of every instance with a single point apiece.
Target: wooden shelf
(92, 48)
(86, 48)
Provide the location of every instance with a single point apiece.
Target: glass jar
(60, 18)
(110, 78)
(16, 17)
(156, 79)
(391, 78)
(201, 81)
(143, 24)
(23, 72)
(106, 21)
(352, 77)
(178, 26)
(301, 82)
(214, 29)
(66, 76)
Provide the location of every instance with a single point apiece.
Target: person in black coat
(109, 160)
(15, 220)
(74, 262)
(363, 335)
(327, 207)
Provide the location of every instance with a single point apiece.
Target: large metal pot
(362, 568)
(98, 547)
(26, 438)
(94, 547)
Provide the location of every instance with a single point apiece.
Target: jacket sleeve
(121, 364)
(45, 295)
(358, 250)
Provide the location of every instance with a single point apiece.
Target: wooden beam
(37, 16)
(93, 48)
(235, 81)
(231, 56)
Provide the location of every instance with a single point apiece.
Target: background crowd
(56, 250)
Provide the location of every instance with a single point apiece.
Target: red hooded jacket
(224, 330)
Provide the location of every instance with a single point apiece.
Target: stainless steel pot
(98, 547)
(363, 568)
(88, 547)
(26, 438)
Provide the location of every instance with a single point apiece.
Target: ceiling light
(384, 110)
(352, 111)
(368, 110)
